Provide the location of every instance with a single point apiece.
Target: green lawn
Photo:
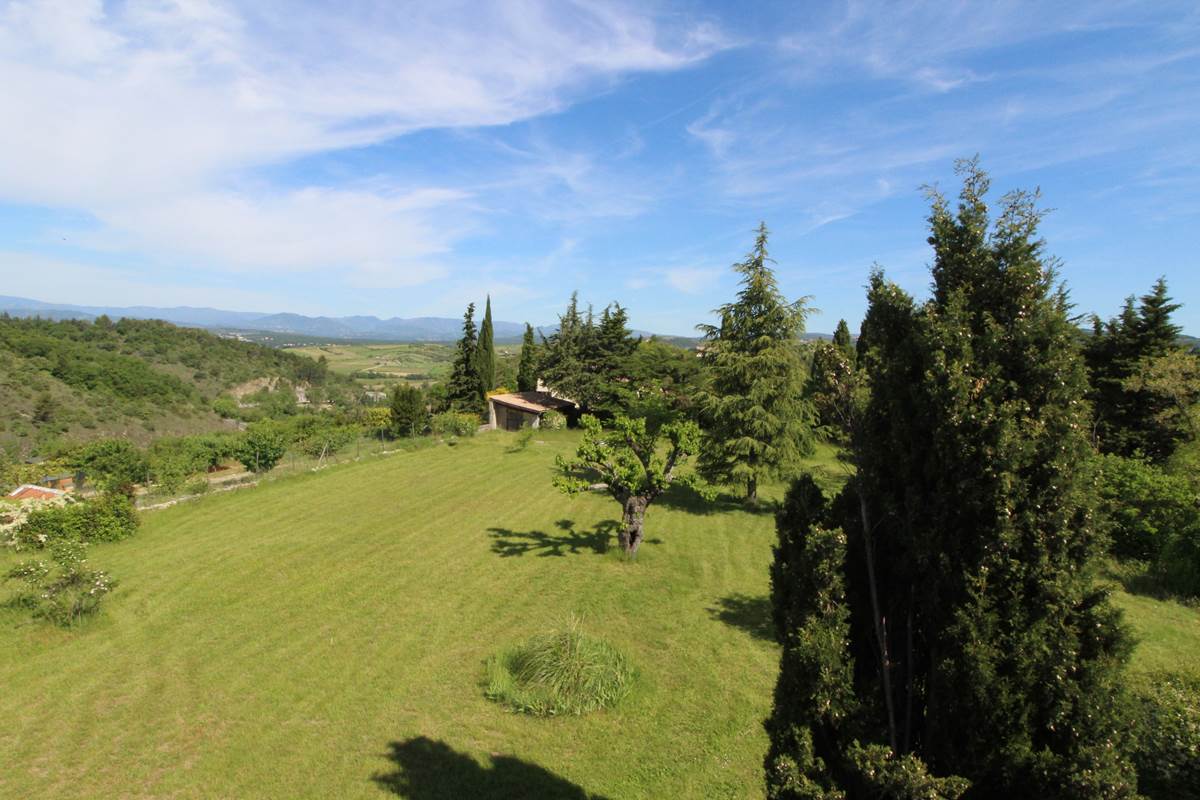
(324, 636)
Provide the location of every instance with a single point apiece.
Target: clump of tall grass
(564, 672)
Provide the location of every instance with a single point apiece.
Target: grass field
(325, 636)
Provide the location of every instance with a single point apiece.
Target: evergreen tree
(978, 641)
(527, 368)
(463, 388)
(841, 339)
(757, 422)
(409, 415)
(586, 361)
(1129, 419)
(611, 348)
(485, 353)
(562, 353)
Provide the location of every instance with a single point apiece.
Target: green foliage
(1179, 566)
(108, 518)
(1140, 410)
(757, 423)
(409, 416)
(63, 591)
(1166, 720)
(980, 641)
(173, 460)
(485, 352)
(133, 377)
(261, 447)
(586, 361)
(114, 465)
(320, 437)
(629, 465)
(881, 773)
(563, 672)
(661, 382)
(842, 340)
(451, 424)
(527, 369)
(464, 390)
(832, 388)
(814, 692)
(553, 421)
(1144, 508)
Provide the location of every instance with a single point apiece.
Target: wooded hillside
(80, 380)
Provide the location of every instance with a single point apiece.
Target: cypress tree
(463, 388)
(980, 647)
(485, 353)
(757, 422)
(841, 339)
(527, 367)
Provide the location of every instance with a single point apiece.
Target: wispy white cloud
(154, 116)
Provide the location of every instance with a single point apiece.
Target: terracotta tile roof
(533, 402)
(30, 492)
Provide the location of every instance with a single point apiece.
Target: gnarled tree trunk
(632, 518)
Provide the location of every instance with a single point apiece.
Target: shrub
(63, 591)
(1166, 718)
(553, 421)
(453, 423)
(557, 673)
(114, 465)
(261, 447)
(1179, 566)
(1143, 508)
(325, 440)
(108, 518)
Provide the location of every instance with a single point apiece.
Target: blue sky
(401, 159)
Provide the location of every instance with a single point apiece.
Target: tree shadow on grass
(426, 769)
(507, 542)
(685, 498)
(748, 613)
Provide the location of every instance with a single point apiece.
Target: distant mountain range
(396, 329)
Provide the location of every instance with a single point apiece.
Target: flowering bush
(109, 518)
(63, 591)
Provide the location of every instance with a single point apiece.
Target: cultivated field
(325, 635)
(381, 366)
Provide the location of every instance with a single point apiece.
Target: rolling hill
(77, 380)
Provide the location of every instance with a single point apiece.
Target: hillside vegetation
(76, 380)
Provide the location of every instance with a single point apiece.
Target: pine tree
(1129, 419)
(485, 354)
(757, 422)
(978, 640)
(463, 388)
(841, 339)
(586, 361)
(527, 368)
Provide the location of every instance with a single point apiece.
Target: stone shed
(511, 412)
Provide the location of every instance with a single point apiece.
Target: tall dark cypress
(979, 642)
(486, 353)
(527, 367)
